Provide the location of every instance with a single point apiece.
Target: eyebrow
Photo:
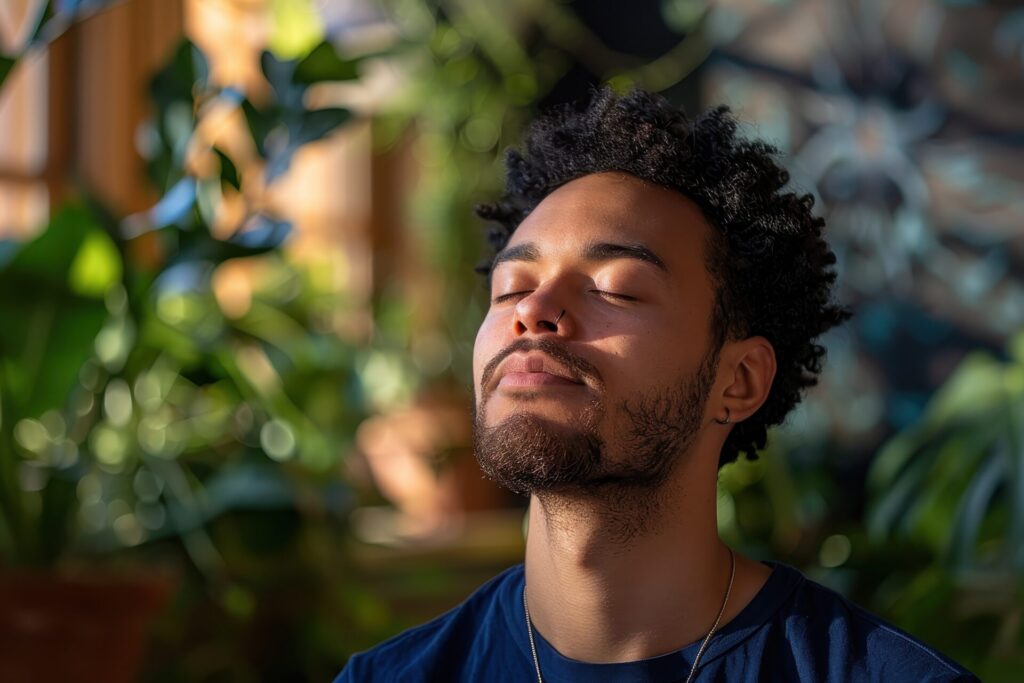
(595, 251)
(521, 252)
(606, 251)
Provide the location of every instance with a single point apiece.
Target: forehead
(617, 208)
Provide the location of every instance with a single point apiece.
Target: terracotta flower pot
(56, 627)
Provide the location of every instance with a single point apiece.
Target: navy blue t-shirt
(793, 630)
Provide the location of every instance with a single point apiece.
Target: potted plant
(138, 399)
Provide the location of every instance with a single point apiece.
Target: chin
(527, 452)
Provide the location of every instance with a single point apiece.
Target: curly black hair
(771, 268)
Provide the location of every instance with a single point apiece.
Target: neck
(607, 587)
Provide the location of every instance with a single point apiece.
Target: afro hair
(770, 266)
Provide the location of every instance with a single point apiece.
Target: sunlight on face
(624, 260)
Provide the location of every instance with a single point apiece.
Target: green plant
(951, 490)
(131, 405)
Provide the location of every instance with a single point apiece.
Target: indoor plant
(134, 407)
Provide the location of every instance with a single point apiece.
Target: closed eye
(507, 297)
(608, 295)
(613, 295)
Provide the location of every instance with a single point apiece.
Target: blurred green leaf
(176, 91)
(893, 505)
(1015, 445)
(261, 122)
(184, 75)
(974, 505)
(313, 125)
(1016, 347)
(972, 389)
(97, 266)
(319, 122)
(953, 480)
(48, 332)
(228, 171)
(48, 257)
(279, 74)
(325, 64)
(6, 66)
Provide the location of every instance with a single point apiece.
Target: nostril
(548, 325)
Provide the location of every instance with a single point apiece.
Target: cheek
(637, 362)
(486, 345)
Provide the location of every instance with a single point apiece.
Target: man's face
(612, 391)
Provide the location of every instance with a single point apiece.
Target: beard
(529, 454)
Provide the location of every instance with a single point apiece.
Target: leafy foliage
(951, 485)
(139, 411)
(48, 336)
(954, 481)
(132, 406)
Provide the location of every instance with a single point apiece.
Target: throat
(601, 601)
(599, 520)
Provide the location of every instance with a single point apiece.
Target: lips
(533, 370)
(533, 379)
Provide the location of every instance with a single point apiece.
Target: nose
(541, 312)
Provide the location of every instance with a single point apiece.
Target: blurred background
(237, 310)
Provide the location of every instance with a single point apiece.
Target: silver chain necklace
(700, 652)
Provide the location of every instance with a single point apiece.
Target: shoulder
(862, 641)
(426, 648)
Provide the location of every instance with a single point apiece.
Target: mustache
(578, 366)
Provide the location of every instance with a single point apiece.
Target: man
(655, 301)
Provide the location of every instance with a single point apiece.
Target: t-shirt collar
(666, 668)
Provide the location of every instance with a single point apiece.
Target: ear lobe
(753, 371)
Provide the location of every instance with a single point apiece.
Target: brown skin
(595, 597)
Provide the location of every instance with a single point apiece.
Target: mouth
(534, 370)
(535, 379)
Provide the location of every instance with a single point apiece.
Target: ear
(746, 370)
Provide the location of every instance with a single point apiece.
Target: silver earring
(726, 420)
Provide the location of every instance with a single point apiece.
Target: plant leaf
(974, 505)
(279, 75)
(6, 66)
(228, 170)
(1015, 445)
(318, 123)
(48, 331)
(324, 63)
(314, 125)
(185, 73)
(262, 123)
